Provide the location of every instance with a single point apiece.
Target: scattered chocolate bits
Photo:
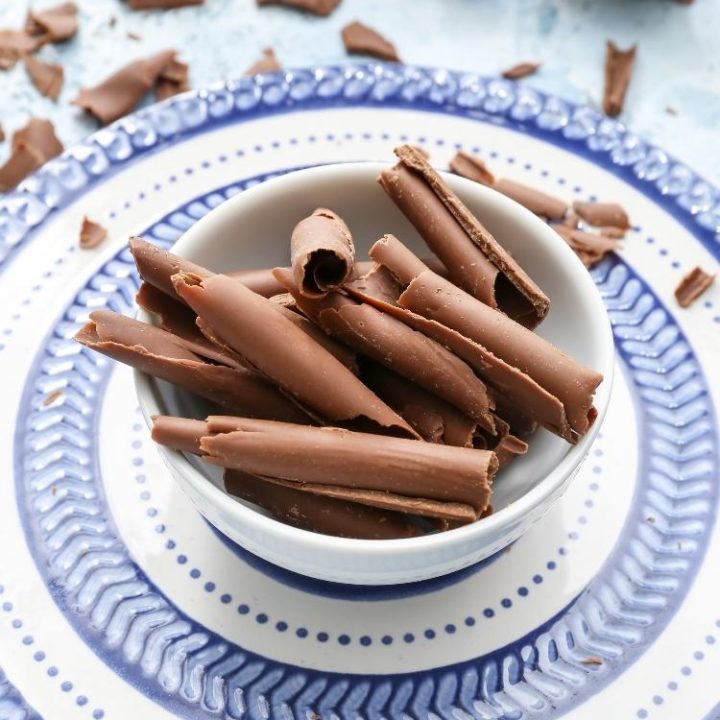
(618, 70)
(161, 4)
(520, 70)
(122, 91)
(14, 44)
(91, 234)
(55, 24)
(266, 64)
(472, 168)
(692, 286)
(360, 39)
(31, 147)
(46, 77)
(316, 7)
(592, 661)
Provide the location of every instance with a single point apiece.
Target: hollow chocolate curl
(273, 345)
(158, 353)
(472, 256)
(322, 253)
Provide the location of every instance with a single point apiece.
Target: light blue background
(678, 61)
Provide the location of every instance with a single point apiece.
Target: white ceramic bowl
(252, 230)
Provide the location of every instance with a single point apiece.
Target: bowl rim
(502, 518)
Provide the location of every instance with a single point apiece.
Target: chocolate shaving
(51, 397)
(590, 248)
(275, 347)
(692, 286)
(538, 202)
(319, 514)
(316, 7)
(173, 80)
(46, 77)
(15, 44)
(602, 214)
(592, 661)
(267, 63)
(158, 353)
(471, 167)
(322, 253)
(31, 146)
(392, 343)
(122, 91)
(133, 36)
(179, 433)
(91, 234)
(520, 70)
(360, 39)
(161, 4)
(55, 24)
(474, 259)
(618, 70)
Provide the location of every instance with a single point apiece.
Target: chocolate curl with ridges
(275, 347)
(158, 353)
(435, 298)
(415, 471)
(474, 259)
(392, 343)
(322, 253)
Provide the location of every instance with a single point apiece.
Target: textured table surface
(678, 62)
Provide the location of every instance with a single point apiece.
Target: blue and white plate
(117, 600)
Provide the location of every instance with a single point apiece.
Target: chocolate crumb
(133, 36)
(46, 77)
(618, 69)
(692, 286)
(55, 24)
(316, 7)
(650, 519)
(265, 64)
(360, 39)
(520, 70)
(112, 21)
(161, 4)
(50, 398)
(91, 234)
(670, 110)
(592, 661)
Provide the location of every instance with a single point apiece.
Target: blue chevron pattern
(13, 705)
(177, 661)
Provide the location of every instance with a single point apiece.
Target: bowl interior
(252, 230)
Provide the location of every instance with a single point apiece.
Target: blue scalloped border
(12, 704)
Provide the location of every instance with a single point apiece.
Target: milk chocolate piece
(320, 514)
(618, 70)
(274, 346)
(54, 24)
(474, 259)
(359, 39)
(161, 4)
(158, 353)
(508, 448)
(692, 286)
(46, 77)
(262, 282)
(173, 80)
(602, 214)
(322, 253)
(338, 457)
(31, 146)
(316, 7)
(15, 44)
(91, 234)
(591, 248)
(547, 384)
(471, 167)
(179, 433)
(267, 63)
(22, 161)
(118, 94)
(392, 343)
(534, 200)
(520, 70)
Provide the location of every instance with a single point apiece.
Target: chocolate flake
(267, 63)
(51, 397)
(15, 44)
(316, 7)
(589, 247)
(471, 167)
(602, 214)
(133, 36)
(46, 77)
(359, 39)
(31, 146)
(55, 24)
(91, 234)
(122, 91)
(692, 286)
(592, 661)
(173, 80)
(618, 70)
(520, 70)
(161, 4)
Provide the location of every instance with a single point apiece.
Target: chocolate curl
(322, 253)
(530, 372)
(156, 352)
(254, 328)
(474, 259)
(91, 234)
(54, 24)
(618, 70)
(692, 286)
(340, 458)
(590, 248)
(602, 214)
(521, 70)
(471, 167)
(392, 343)
(508, 449)
(320, 514)
(179, 433)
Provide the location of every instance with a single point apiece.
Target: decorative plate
(117, 600)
